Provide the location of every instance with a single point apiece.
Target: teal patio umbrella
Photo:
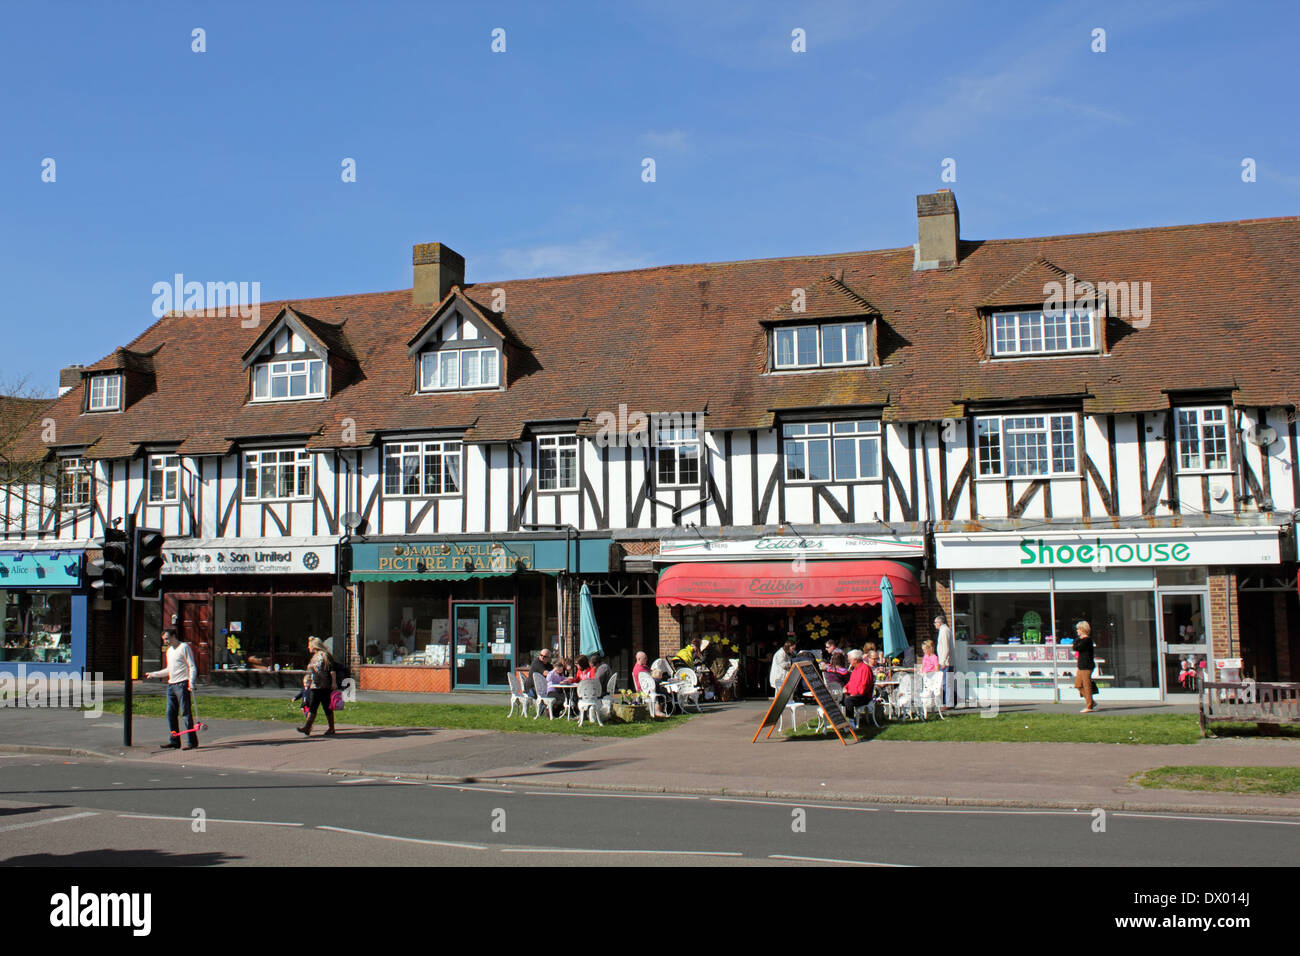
(589, 633)
(891, 623)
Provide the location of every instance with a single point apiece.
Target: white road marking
(41, 823)
(810, 806)
(1039, 813)
(621, 796)
(818, 859)
(256, 823)
(386, 836)
(622, 852)
(453, 786)
(1179, 816)
(362, 780)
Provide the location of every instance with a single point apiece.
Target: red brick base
(417, 680)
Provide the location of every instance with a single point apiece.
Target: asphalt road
(90, 812)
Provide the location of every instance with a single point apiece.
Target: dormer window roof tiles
(683, 337)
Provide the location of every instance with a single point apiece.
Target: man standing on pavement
(180, 673)
(945, 649)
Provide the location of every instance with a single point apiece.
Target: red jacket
(861, 680)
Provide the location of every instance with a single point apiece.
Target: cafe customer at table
(862, 681)
(557, 678)
(539, 666)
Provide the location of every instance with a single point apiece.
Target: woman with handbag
(1083, 667)
(319, 684)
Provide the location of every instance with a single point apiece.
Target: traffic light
(147, 580)
(112, 566)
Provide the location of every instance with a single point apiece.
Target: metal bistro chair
(589, 701)
(932, 693)
(648, 689)
(543, 697)
(688, 693)
(607, 702)
(517, 695)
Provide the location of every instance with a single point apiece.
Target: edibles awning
(786, 583)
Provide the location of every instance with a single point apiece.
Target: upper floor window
(458, 369)
(272, 475)
(164, 478)
(106, 393)
(557, 463)
(814, 346)
(1044, 333)
(74, 482)
(1202, 437)
(289, 379)
(422, 468)
(1026, 446)
(678, 456)
(826, 451)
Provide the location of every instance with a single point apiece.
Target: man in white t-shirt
(180, 673)
(945, 649)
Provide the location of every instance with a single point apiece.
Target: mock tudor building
(1021, 433)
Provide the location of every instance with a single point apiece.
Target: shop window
(164, 478)
(36, 626)
(275, 475)
(1202, 438)
(557, 463)
(678, 455)
(74, 482)
(422, 469)
(270, 629)
(1123, 631)
(1039, 332)
(1027, 446)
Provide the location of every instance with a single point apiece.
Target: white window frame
(282, 369)
(857, 434)
(299, 464)
(996, 436)
(109, 389)
(407, 471)
(1204, 434)
(75, 479)
(675, 447)
(820, 335)
(432, 365)
(168, 467)
(803, 436)
(562, 447)
(1025, 333)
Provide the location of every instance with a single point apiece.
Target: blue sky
(225, 165)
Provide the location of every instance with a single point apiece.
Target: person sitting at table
(862, 681)
(837, 671)
(584, 670)
(642, 666)
(601, 669)
(659, 675)
(557, 679)
(539, 666)
(832, 645)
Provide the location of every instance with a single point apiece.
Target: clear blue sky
(225, 165)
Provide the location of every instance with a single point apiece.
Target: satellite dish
(352, 521)
(1261, 435)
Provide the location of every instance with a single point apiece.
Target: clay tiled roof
(679, 338)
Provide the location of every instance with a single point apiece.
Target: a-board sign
(804, 673)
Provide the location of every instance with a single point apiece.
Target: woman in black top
(1083, 668)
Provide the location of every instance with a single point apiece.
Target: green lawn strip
(376, 714)
(1276, 731)
(1271, 780)
(1037, 728)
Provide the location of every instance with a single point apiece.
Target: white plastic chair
(543, 697)
(689, 690)
(648, 689)
(589, 701)
(903, 699)
(517, 695)
(731, 679)
(607, 702)
(932, 693)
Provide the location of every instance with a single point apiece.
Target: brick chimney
(69, 378)
(937, 231)
(437, 269)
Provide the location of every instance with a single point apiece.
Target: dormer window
(1040, 332)
(819, 346)
(280, 381)
(106, 393)
(459, 369)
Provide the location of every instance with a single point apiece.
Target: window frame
(1004, 430)
(269, 364)
(303, 461)
(675, 444)
(165, 470)
(1201, 427)
(81, 473)
(1042, 316)
(102, 405)
(422, 450)
(819, 331)
(440, 355)
(560, 443)
(865, 430)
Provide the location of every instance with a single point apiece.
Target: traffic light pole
(128, 642)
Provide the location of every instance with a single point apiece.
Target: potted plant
(630, 707)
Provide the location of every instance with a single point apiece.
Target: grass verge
(1266, 780)
(376, 714)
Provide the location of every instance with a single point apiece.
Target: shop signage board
(473, 556)
(789, 547)
(40, 569)
(262, 559)
(804, 673)
(1175, 547)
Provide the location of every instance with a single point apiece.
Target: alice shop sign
(1110, 548)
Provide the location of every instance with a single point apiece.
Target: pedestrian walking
(319, 684)
(180, 673)
(1083, 667)
(946, 650)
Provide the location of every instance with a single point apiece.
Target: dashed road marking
(41, 823)
(388, 836)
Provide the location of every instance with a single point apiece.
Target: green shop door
(485, 644)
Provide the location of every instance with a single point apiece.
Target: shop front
(1160, 603)
(750, 596)
(247, 609)
(460, 613)
(43, 627)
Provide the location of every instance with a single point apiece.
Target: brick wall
(1282, 637)
(937, 598)
(670, 632)
(1225, 618)
(415, 680)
